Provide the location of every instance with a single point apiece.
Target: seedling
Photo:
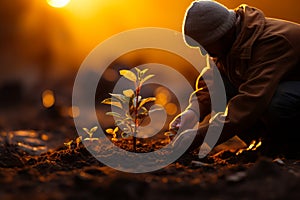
(69, 144)
(170, 134)
(90, 133)
(131, 105)
(113, 132)
(78, 141)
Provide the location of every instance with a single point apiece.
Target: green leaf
(116, 129)
(109, 131)
(106, 101)
(144, 109)
(113, 103)
(119, 97)
(112, 131)
(68, 144)
(116, 104)
(147, 78)
(114, 114)
(128, 74)
(146, 100)
(86, 130)
(91, 139)
(137, 70)
(139, 73)
(78, 139)
(128, 93)
(94, 129)
(143, 112)
(144, 72)
(156, 109)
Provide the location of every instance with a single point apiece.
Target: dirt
(35, 164)
(73, 173)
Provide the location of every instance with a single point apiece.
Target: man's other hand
(185, 120)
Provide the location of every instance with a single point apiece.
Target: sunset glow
(58, 3)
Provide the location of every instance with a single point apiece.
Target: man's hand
(185, 120)
(194, 137)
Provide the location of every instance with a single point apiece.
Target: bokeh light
(163, 97)
(48, 98)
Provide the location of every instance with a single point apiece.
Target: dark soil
(73, 173)
(35, 164)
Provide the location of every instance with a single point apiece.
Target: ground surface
(35, 164)
(65, 173)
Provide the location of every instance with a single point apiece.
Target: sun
(58, 3)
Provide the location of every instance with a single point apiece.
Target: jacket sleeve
(271, 60)
(200, 101)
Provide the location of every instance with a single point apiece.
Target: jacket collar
(251, 27)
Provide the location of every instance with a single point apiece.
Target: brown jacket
(265, 53)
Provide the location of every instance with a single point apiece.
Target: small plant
(170, 135)
(78, 141)
(90, 133)
(69, 144)
(131, 105)
(113, 132)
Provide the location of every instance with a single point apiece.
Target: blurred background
(43, 43)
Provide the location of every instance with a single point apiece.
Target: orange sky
(100, 19)
(51, 38)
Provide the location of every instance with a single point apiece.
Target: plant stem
(134, 140)
(136, 123)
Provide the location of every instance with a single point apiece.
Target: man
(259, 59)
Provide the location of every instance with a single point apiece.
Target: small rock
(26, 140)
(200, 164)
(236, 177)
(278, 161)
(293, 172)
(296, 162)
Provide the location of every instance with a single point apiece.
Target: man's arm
(271, 61)
(199, 103)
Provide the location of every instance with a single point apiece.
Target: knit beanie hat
(207, 21)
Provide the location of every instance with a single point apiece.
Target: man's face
(218, 49)
(221, 47)
(215, 50)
